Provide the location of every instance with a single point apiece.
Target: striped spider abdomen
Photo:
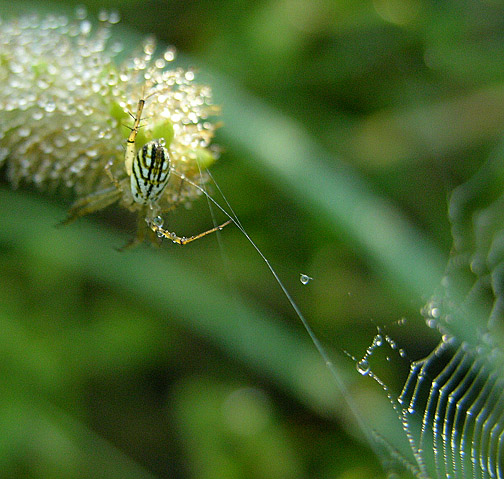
(150, 172)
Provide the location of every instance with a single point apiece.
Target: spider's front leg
(156, 225)
(110, 174)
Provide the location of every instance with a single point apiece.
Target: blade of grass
(177, 290)
(328, 189)
(334, 194)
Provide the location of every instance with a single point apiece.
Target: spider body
(150, 172)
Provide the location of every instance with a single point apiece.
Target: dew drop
(304, 278)
(117, 46)
(85, 27)
(114, 17)
(103, 15)
(59, 141)
(159, 234)
(24, 132)
(160, 63)
(42, 84)
(50, 106)
(363, 367)
(391, 342)
(149, 47)
(158, 221)
(169, 55)
(431, 323)
(80, 13)
(73, 136)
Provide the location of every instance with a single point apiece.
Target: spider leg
(109, 173)
(92, 202)
(141, 234)
(182, 240)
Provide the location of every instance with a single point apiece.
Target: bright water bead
(158, 221)
(363, 367)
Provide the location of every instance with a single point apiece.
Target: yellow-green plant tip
(119, 114)
(163, 130)
(203, 157)
(143, 137)
(39, 68)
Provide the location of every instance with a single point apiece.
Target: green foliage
(345, 126)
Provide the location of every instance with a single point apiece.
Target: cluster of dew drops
(54, 74)
(60, 80)
(380, 339)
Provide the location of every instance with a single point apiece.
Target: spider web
(451, 406)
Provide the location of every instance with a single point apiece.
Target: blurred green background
(346, 125)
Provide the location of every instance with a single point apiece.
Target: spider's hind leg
(91, 203)
(143, 232)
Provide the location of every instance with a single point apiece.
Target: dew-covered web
(451, 406)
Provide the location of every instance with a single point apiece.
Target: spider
(149, 170)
